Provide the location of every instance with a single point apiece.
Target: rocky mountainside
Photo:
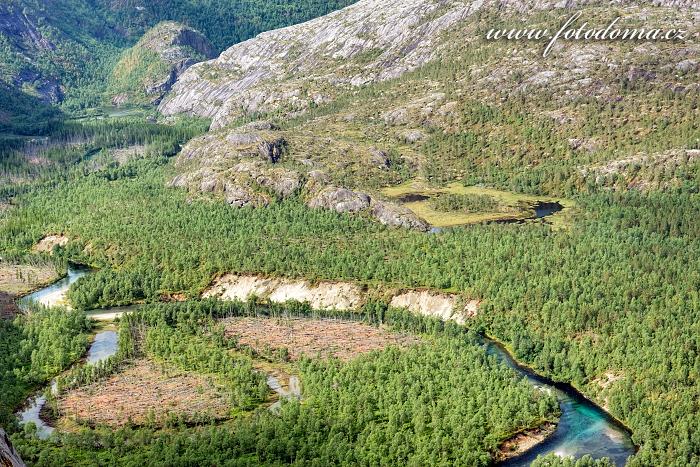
(148, 69)
(382, 92)
(370, 41)
(48, 44)
(64, 51)
(8, 455)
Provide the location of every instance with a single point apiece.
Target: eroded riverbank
(584, 428)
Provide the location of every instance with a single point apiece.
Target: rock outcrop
(247, 167)
(307, 64)
(373, 39)
(395, 215)
(335, 137)
(339, 199)
(151, 67)
(8, 455)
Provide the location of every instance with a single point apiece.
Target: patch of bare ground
(524, 441)
(8, 308)
(144, 393)
(313, 337)
(122, 156)
(608, 378)
(46, 244)
(20, 279)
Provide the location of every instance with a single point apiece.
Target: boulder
(272, 150)
(282, 182)
(340, 199)
(379, 158)
(238, 196)
(243, 139)
(413, 136)
(398, 216)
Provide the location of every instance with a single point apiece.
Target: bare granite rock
(395, 215)
(379, 158)
(403, 35)
(340, 199)
(8, 455)
(238, 196)
(367, 42)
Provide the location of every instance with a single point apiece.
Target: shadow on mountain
(24, 115)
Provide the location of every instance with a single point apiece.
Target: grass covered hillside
(146, 71)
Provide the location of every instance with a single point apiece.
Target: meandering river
(584, 428)
(104, 345)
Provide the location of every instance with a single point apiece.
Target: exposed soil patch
(47, 243)
(20, 279)
(325, 338)
(443, 306)
(145, 393)
(323, 296)
(524, 441)
(608, 378)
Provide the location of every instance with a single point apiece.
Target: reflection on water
(55, 294)
(546, 209)
(105, 345)
(583, 428)
(32, 414)
(413, 197)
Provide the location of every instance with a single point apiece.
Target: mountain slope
(146, 71)
(63, 51)
(370, 41)
(224, 22)
(381, 93)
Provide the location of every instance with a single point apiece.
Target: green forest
(573, 303)
(388, 406)
(607, 300)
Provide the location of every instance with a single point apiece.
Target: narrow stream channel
(104, 345)
(584, 428)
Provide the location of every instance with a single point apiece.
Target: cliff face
(8, 455)
(373, 40)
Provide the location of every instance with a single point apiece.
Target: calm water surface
(584, 428)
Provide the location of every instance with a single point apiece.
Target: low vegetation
(464, 203)
(144, 394)
(312, 338)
